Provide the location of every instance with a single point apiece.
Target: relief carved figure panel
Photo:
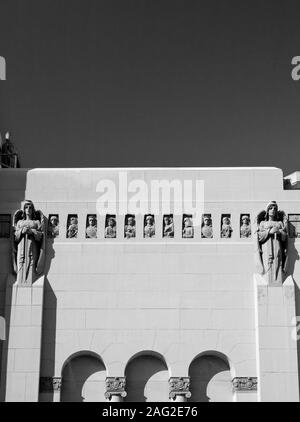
(110, 227)
(206, 228)
(28, 243)
(53, 226)
(245, 229)
(149, 226)
(226, 229)
(91, 227)
(168, 226)
(72, 226)
(187, 227)
(130, 226)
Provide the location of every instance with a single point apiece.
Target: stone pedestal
(179, 389)
(115, 389)
(276, 343)
(23, 351)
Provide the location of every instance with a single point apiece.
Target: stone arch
(147, 377)
(83, 378)
(211, 375)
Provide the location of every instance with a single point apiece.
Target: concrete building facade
(116, 316)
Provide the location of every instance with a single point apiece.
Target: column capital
(115, 386)
(179, 386)
(50, 384)
(244, 384)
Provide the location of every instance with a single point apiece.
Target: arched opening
(210, 378)
(147, 378)
(83, 378)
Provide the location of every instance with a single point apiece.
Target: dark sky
(94, 83)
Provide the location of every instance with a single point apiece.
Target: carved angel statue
(28, 244)
(271, 243)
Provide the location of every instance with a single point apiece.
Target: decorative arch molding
(217, 354)
(83, 377)
(82, 353)
(211, 374)
(152, 353)
(147, 375)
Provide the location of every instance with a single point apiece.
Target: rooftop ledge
(270, 168)
(155, 168)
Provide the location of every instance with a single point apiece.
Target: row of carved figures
(149, 226)
(30, 232)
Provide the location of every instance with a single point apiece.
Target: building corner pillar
(276, 341)
(23, 349)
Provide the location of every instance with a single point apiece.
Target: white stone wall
(176, 297)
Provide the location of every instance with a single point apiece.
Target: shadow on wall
(147, 378)
(2, 328)
(48, 342)
(210, 379)
(293, 256)
(4, 344)
(83, 378)
(13, 184)
(2, 338)
(297, 300)
(48, 327)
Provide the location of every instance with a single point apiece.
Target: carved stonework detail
(28, 244)
(72, 231)
(130, 227)
(179, 386)
(272, 244)
(226, 229)
(53, 226)
(115, 386)
(149, 226)
(206, 228)
(50, 385)
(110, 227)
(245, 230)
(91, 229)
(244, 384)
